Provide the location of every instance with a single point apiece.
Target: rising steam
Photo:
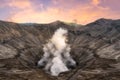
(56, 56)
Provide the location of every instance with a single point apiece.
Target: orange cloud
(83, 14)
(47, 16)
(95, 2)
(22, 4)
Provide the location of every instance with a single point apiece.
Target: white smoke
(56, 53)
(58, 66)
(59, 40)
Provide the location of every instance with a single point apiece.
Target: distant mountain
(95, 47)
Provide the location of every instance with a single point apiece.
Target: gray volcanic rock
(6, 52)
(95, 48)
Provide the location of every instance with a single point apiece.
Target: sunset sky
(46, 11)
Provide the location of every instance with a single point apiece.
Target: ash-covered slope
(95, 47)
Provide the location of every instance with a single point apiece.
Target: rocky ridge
(95, 47)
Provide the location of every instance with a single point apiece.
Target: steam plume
(56, 53)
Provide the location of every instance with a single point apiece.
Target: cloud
(35, 16)
(95, 2)
(82, 13)
(21, 4)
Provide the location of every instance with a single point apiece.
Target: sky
(46, 11)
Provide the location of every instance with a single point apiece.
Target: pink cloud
(95, 2)
(22, 4)
(83, 14)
